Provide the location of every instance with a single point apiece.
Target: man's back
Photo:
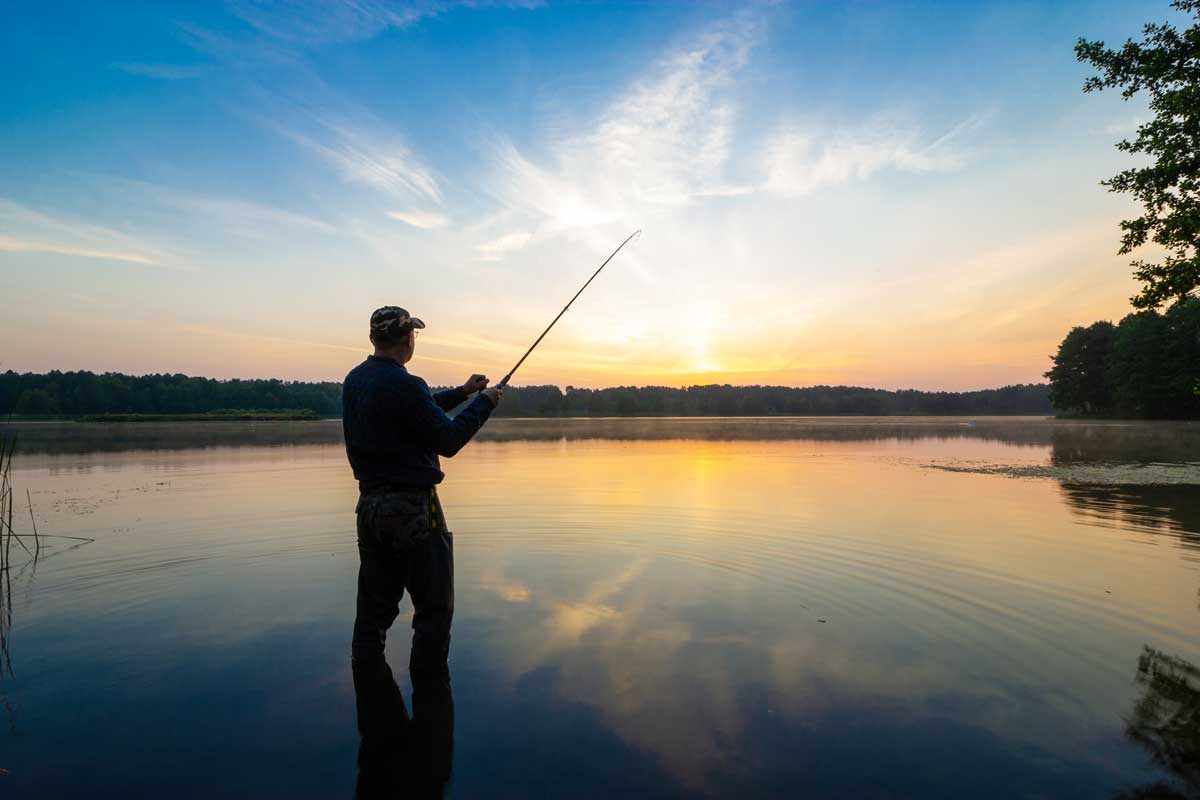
(395, 428)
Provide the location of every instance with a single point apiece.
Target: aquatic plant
(7, 446)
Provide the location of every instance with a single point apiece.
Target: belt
(395, 487)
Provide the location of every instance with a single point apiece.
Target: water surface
(649, 607)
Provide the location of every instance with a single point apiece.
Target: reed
(7, 447)
(25, 568)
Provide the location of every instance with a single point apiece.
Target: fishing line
(504, 382)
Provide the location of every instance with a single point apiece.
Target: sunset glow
(883, 194)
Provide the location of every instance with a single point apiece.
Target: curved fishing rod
(504, 382)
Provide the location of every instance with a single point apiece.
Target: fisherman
(395, 429)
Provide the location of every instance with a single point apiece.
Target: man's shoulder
(364, 372)
(414, 380)
(379, 372)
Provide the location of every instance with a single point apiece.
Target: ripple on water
(841, 575)
(957, 589)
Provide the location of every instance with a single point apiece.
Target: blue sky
(891, 194)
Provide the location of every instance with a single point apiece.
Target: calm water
(658, 608)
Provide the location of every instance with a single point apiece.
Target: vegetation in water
(7, 534)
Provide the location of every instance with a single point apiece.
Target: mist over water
(646, 607)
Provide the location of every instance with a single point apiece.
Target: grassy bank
(221, 415)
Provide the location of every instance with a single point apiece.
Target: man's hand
(494, 395)
(475, 383)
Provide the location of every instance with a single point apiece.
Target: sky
(867, 193)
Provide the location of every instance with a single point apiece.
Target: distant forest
(75, 394)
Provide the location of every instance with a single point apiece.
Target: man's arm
(432, 428)
(449, 398)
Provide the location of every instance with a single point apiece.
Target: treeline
(1147, 366)
(76, 394)
(740, 401)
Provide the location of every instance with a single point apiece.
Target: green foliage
(1077, 379)
(77, 394)
(1166, 65)
(1148, 366)
(1137, 367)
(740, 401)
(1182, 378)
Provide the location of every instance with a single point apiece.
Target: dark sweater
(395, 428)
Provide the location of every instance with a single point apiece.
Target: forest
(77, 394)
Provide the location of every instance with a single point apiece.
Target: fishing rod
(504, 382)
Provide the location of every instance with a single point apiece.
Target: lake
(893, 607)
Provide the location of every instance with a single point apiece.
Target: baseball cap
(391, 318)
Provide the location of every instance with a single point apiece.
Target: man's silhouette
(395, 429)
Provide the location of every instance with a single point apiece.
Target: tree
(1183, 358)
(1079, 377)
(1166, 64)
(1138, 368)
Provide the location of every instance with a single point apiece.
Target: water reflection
(87, 437)
(1071, 441)
(1076, 442)
(1166, 724)
(1172, 510)
(399, 756)
(802, 611)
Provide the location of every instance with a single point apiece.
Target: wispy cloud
(168, 72)
(420, 219)
(244, 50)
(11, 245)
(500, 247)
(799, 161)
(200, 227)
(669, 142)
(304, 109)
(317, 22)
(364, 151)
(210, 330)
(234, 215)
(313, 22)
(659, 145)
(1124, 126)
(24, 230)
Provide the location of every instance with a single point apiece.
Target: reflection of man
(399, 757)
(395, 429)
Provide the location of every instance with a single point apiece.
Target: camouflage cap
(392, 318)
